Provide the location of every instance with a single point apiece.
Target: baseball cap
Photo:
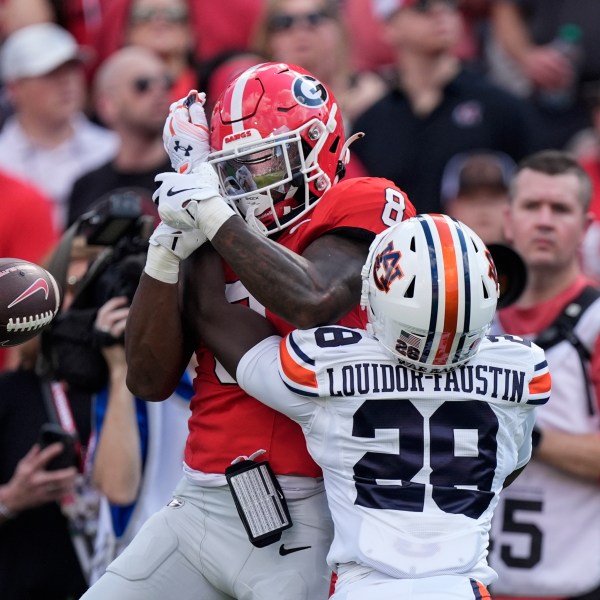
(466, 173)
(36, 50)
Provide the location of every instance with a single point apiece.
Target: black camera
(72, 346)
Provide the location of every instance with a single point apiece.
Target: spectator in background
(588, 154)
(48, 141)
(26, 231)
(137, 454)
(15, 14)
(546, 529)
(312, 34)
(437, 109)
(80, 17)
(163, 26)
(526, 60)
(212, 22)
(132, 99)
(475, 191)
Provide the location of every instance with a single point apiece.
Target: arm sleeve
(258, 375)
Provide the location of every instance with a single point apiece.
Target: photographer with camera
(138, 447)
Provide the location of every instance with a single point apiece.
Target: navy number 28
(460, 484)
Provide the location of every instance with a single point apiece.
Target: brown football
(29, 300)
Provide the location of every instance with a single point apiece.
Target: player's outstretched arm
(228, 329)
(316, 288)
(156, 347)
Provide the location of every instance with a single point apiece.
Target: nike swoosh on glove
(192, 201)
(185, 133)
(178, 195)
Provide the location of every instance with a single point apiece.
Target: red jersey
(226, 422)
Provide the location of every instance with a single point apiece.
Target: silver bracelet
(6, 512)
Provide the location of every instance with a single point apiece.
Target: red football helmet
(278, 144)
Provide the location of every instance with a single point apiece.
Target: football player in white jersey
(418, 423)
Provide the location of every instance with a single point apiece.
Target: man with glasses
(132, 90)
(437, 109)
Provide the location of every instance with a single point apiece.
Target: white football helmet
(430, 289)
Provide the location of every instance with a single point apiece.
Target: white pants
(198, 550)
(373, 585)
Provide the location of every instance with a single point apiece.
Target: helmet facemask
(269, 181)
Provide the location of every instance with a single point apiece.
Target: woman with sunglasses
(312, 34)
(163, 26)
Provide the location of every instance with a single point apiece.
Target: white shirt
(413, 463)
(54, 170)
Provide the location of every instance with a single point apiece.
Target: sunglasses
(146, 14)
(142, 85)
(283, 22)
(424, 6)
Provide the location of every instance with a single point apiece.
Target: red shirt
(225, 421)
(535, 319)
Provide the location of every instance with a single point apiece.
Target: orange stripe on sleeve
(540, 384)
(291, 369)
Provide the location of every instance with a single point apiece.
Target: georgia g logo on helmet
(308, 91)
(387, 268)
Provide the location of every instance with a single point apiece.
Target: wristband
(162, 264)
(211, 214)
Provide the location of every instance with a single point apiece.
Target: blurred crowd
(451, 96)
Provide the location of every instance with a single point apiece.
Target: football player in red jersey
(277, 153)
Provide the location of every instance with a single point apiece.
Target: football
(29, 300)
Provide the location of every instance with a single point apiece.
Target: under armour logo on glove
(185, 134)
(186, 149)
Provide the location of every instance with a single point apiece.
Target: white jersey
(413, 463)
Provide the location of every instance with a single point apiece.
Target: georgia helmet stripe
(237, 100)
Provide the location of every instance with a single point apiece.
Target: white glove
(168, 247)
(192, 200)
(185, 134)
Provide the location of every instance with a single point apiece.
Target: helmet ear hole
(413, 246)
(410, 290)
(485, 292)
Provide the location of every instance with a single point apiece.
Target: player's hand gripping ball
(29, 300)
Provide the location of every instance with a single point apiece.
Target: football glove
(192, 200)
(167, 248)
(185, 134)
